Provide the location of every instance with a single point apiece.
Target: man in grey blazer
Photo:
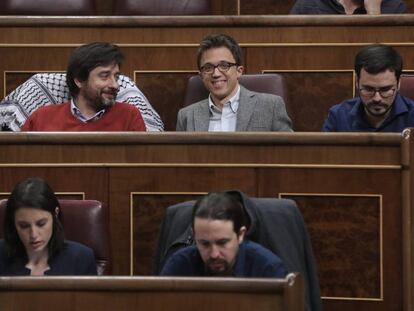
(230, 107)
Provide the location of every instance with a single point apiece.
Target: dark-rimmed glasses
(222, 66)
(384, 92)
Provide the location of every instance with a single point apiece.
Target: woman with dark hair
(33, 236)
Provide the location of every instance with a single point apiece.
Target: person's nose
(377, 96)
(113, 83)
(215, 252)
(216, 72)
(33, 233)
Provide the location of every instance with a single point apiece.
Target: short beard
(100, 102)
(226, 272)
(105, 103)
(381, 114)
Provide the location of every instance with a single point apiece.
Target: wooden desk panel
(140, 174)
(181, 294)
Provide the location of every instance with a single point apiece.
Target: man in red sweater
(92, 78)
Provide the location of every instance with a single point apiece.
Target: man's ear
(242, 233)
(78, 83)
(240, 70)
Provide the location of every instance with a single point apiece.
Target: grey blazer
(257, 112)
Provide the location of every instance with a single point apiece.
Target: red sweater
(120, 117)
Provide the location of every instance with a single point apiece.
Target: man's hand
(373, 6)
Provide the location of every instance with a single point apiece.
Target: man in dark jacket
(219, 227)
(276, 224)
(379, 106)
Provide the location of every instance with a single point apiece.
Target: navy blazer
(73, 259)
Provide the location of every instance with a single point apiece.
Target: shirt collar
(357, 109)
(79, 115)
(399, 106)
(233, 103)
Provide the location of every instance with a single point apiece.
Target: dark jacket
(73, 259)
(276, 224)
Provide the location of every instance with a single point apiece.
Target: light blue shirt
(224, 120)
(79, 115)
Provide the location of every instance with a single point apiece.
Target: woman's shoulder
(74, 252)
(73, 247)
(7, 263)
(73, 259)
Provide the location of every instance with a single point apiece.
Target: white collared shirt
(224, 120)
(79, 115)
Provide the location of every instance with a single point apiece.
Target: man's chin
(377, 113)
(218, 271)
(106, 103)
(378, 110)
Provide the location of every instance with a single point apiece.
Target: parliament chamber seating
(86, 222)
(263, 83)
(47, 7)
(354, 190)
(163, 7)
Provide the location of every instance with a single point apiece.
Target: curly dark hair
(86, 58)
(218, 41)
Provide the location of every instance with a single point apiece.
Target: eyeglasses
(222, 66)
(384, 92)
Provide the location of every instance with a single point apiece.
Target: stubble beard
(227, 271)
(371, 111)
(100, 102)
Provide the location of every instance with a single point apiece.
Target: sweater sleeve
(29, 124)
(137, 122)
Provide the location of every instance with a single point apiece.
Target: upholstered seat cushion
(47, 7)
